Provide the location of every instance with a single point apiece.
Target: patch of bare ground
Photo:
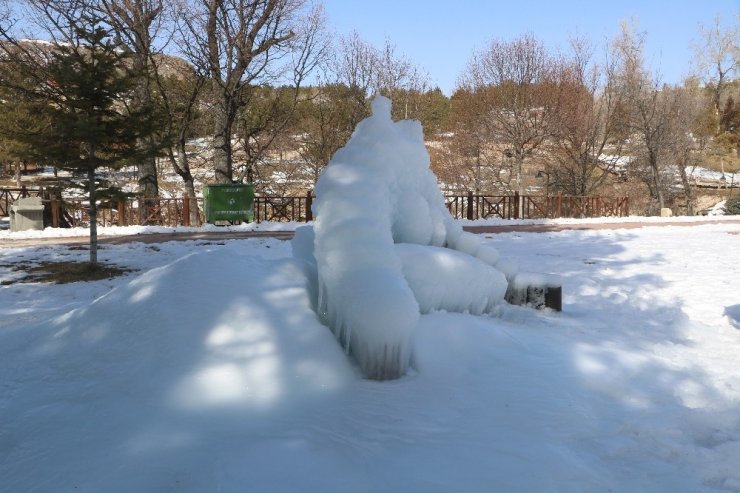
(64, 272)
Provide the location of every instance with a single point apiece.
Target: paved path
(286, 235)
(146, 238)
(546, 228)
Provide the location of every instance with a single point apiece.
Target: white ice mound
(444, 279)
(377, 191)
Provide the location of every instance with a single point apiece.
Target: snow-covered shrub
(732, 206)
(378, 191)
(444, 279)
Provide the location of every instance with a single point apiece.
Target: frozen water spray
(377, 195)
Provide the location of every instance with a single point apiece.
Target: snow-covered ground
(710, 176)
(207, 370)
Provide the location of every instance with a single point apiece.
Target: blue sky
(439, 36)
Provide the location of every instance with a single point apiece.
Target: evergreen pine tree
(82, 97)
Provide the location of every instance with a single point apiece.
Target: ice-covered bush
(378, 191)
(732, 206)
(444, 279)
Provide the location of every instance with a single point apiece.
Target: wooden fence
(10, 195)
(277, 208)
(472, 206)
(128, 212)
(177, 211)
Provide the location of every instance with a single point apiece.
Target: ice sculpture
(384, 248)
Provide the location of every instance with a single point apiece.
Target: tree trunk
(688, 189)
(661, 201)
(93, 213)
(658, 186)
(148, 188)
(477, 173)
(519, 163)
(194, 212)
(182, 167)
(222, 158)
(148, 185)
(519, 185)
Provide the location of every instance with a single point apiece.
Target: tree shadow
(733, 315)
(155, 382)
(130, 393)
(647, 394)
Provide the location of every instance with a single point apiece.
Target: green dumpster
(229, 202)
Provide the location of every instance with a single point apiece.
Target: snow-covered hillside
(207, 370)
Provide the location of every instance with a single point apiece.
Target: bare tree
(137, 24)
(240, 44)
(268, 113)
(179, 97)
(338, 103)
(367, 70)
(513, 82)
(475, 165)
(400, 80)
(687, 149)
(587, 127)
(326, 123)
(718, 56)
(354, 64)
(650, 111)
(353, 73)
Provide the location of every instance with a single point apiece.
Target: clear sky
(439, 36)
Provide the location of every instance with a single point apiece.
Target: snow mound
(461, 283)
(377, 191)
(213, 341)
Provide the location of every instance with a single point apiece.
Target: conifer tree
(78, 87)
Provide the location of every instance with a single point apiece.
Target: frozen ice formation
(384, 248)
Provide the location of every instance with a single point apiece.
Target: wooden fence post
(185, 209)
(560, 206)
(309, 204)
(516, 205)
(469, 210)
(54, 212)
(121, 212)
